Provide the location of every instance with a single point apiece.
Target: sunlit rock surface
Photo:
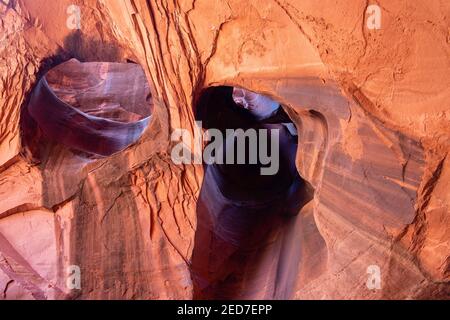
(371, 107)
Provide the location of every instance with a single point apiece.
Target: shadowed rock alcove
(243, 214)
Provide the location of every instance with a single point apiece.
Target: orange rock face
(92, 205)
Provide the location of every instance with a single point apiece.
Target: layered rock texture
(91, 91)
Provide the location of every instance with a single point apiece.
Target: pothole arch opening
(93, 108)
(242, 213)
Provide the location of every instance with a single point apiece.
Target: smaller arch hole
(93, 108)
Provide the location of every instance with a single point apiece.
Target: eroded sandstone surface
(370, 105)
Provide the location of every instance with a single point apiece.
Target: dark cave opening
(241, 213)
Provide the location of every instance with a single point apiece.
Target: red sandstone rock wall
(371, 106)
